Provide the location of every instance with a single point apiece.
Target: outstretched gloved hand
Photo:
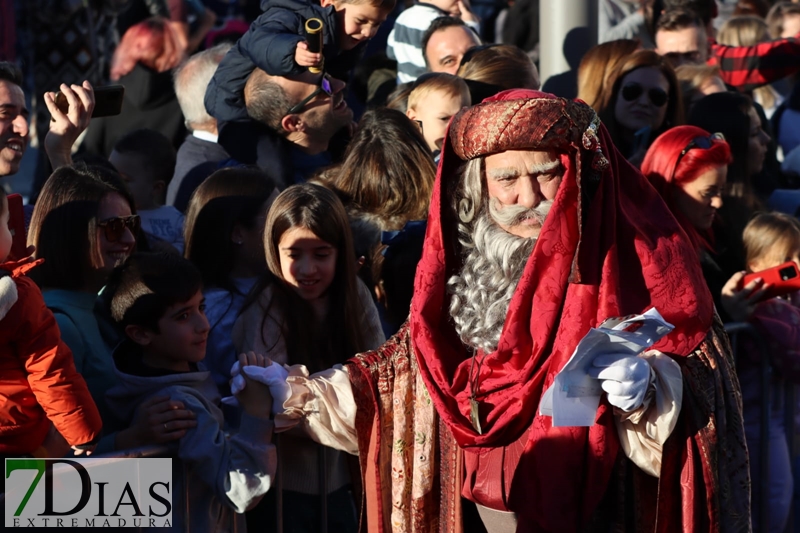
(624, 377)
(273, 376)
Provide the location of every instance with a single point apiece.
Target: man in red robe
(538, 231)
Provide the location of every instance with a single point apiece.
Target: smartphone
(16, 225)
(107, 101)
(783, 279)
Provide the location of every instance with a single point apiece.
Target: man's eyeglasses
(324, 87)
(632, 91)
(115, 227)
(704, 143)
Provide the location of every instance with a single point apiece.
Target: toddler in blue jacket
(276, 44)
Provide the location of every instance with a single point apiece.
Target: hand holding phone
(66, 127)
(781, 280)
(107, 101)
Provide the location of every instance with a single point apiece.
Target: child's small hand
(465, 13)
(255, 398)
(740, 301)
(304, 58)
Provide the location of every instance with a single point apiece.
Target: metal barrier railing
(769, 387)
(322, 467)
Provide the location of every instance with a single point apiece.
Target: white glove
(625, 379)
(273, 376)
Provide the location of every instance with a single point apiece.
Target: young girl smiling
(310, 309)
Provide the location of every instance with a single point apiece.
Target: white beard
(482, 291)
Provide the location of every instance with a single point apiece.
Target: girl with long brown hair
(310, 309)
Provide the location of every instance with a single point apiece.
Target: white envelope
(573, 398)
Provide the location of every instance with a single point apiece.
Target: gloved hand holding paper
(574, 397)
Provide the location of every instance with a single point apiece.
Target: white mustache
(512, 215)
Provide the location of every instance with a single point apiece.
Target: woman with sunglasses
(84, 225)
(642, 100)
(688, 166)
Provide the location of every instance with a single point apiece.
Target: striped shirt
(405, 40)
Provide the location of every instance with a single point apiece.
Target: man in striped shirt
(405, 40)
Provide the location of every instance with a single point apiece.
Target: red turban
(609, 247)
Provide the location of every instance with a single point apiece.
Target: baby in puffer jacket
(40, 384)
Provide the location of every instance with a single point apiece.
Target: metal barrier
(734, 331)
(322, 467)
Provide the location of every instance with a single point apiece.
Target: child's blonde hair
(438, 81)
(768, 231)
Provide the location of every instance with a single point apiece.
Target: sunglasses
(324, 87)
(632, 91)
(115, 227)
(703, 143)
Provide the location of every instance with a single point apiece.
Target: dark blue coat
(270, 45)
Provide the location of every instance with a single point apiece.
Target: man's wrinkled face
(687, 46)
(522, 185)
(13, 127)
(446, 47)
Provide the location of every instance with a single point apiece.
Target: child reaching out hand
(310, 309)
(157, 300)
(770, 239)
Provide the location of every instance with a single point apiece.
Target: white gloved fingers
(267, 374)
(237, 384)
(630, 368)
(624, 402)
(624, 379)
(616, 373)
(235, 369)
(274, 377)
(614, 388)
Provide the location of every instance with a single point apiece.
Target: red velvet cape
(609, 247)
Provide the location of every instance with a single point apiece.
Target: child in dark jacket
(158, 301)
(40, 384)
(770, 239)
(276, 44)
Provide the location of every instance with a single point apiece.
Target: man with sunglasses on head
(292, 122)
